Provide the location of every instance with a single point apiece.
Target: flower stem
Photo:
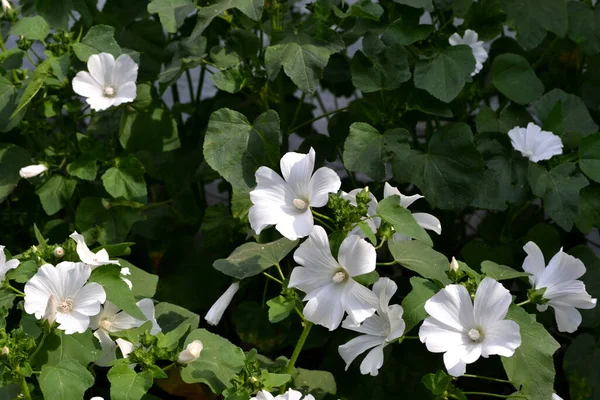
(17, 291)
(388, 263)
(280, 271)
(299, 346)
(25, 389)
(502, 396)
(297, 112)
(485, 377)
(167, 367)
(523, 303)
(272, 277)
(39, 346)
(380, 244)
(409, 337)
(325, 224)
(310, 121)
(325, 217)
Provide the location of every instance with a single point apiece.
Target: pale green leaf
(126, 384)
(99, 39)
(422, 259)
(67, 380)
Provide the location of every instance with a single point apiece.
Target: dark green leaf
(33, 87)
(589, 154)
(362, 9)
(579, 363)
(316, 382)
(126, 384)
(144, 283)
(172, 13)
(402, 32)
(574, 116)
(58, 347)
(583, 28)
(117, 291)
(414, 302)
(106, 223)
(126, 179)
(83, 168)
(67, 380)
(12, 159)
(153, 129)
(230, 80)
(514, 78)
(421, 258)
(415, 3)
(55, 193)
(23, 272)
(588, 213)
(251, 8)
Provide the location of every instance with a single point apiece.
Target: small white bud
(32, 170)
(5, 351)
(454, 265)
(50, 313)
(191, 352)
(6, 5)
(59, 252)
(214, 315)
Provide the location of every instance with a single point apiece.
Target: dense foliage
(159, 184)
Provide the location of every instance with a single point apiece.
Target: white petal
(534, 143)
(556, 397)
(191, 352)
(568, 319)
(101, 67)
(89, 298)
(83, 251)
(375, 325)
(85, 85)
(147, 307)
(534, 262)
(389, 190)
(125, 347)
(126, 94)
(455, 39)
(454, 364)
(358, 301)
(108, 348)
(470, 37)
(72, 276)
(214, 315)
(491, 303)
(501, 338)
(384, 289)
(297, 170)
(357, 346)
(397, 324)
(72, 322)
(124, 71)
(323, 182)
(315, 254)
(263, 395)
(452, 306)
(570, 294)
(324, 306)
(307, 279)
(372, 362)
(294, 226)
(561, 268)
(270, 195)
(439, 337)
(100, 103)
(357, 256)
(39, 289)
(32, 170)
(428, 221)
(291, 394)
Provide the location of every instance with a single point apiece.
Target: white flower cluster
(461, 328)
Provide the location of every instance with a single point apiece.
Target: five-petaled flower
(463, 331)
(62, 293)
(328, 283)
(379, 330)
(286, 202)
(471, 39)
(534, 143)
(109, 82)
(563, 291)
(6, 266)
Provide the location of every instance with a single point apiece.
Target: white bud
(191, 353)
(50, 313)
(454, 265)
(5, 351)
(214, 315)
(59, 252)
(32, 170)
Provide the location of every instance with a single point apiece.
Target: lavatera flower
(471, 39)
(109, 82)
(291, 394)
(378, 331)
(564, 292)
(463, 331)
(534, 143)
(286, 202)
(328, 283)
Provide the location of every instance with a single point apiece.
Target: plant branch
(485, 377)
(299, 346)
(317, 118)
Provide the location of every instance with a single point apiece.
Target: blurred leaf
(579, 363)
(500, 272)
(172, 13)
(574, 117)
(316, 382)
(533, 18)
(33, 87)
(33, 28)
(402, 32)
(12, 159)
(55, 193)
(84, 168)
(583, 28)
(103, 221)
(589, 154)
(153, 129)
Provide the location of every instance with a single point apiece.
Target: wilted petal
(214, 315)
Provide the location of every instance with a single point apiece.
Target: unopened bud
(191, 352)
(59, 252)
(5, 351)
(454, 265)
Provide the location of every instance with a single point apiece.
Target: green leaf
(362, 9)
(33, 28)
(579, 364)
(35, 84)
(318, 383)
(271, 380)
(366, 150)
(390, 210)
(99, 39)
(280, 308)
(153, 129)
(589, 155)
(447, 181)
(67, 380)
(253, 9)
(379, 67)
(500, 272)
(574, 116)
(174, 321)
(126, 384)
(531, 368)
(251, 259)
(511, 116)
(12, 159)
(404, 33)
(220, 361)
(514, 78)
(422, 259)
(106, 223)
(445, 75)
(533, 18)
(367, 279)
(235, 148)
(172, 13)
(84, 167)
(437, 383)
(126, 179)
(588, 212)
(55, 13)
(9, 96)
(24, 272)
(6, 298)
(58, 347)
(302, 56)
(559, 189)
(117, 291)
(144, 283)
(415, 3)
(583, 28)
(230, 80)
(55, 193)
(414, 302)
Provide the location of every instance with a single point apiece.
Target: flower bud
(59, 252)
(454, 265)
(32, 170)
(191, 352)
(214, 315)
(6, 5)
(5, 351)
(50, 313)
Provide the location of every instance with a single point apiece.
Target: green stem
(299, 346)
(324, 223)
(280, 271)
(272, 277)
(388, 263)
(310, 121)
(25, 389)
(167, 367)
(298, 109)
(200, 83)
(17, 291)
(325, 217)
(2, 43)
(410, 337)
(502, 396)
(39, 346)
(523, 303)
(188, 76)
(485, 377)
(380, 244)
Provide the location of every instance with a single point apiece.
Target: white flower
(109, 82)
(125, 346)
(426, 221)
(75, 301)
(464, 332)
(534, 143)
(370, 219)
(6, 5)
(556, 397)
(6, 266)
(214, 315)
(191, 352)
(112, 319)
(87, 256)
(454, 265)
(32, 170)
(328, 284)
(291, 394)
(471, 39)
(379, 330)
(563, 291)
(97, 398)
(286, 202)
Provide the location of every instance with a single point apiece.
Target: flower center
(475, 335)
(105, 324)
(300, 204)
(109, 91)
(339, 277)
(65, 305)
